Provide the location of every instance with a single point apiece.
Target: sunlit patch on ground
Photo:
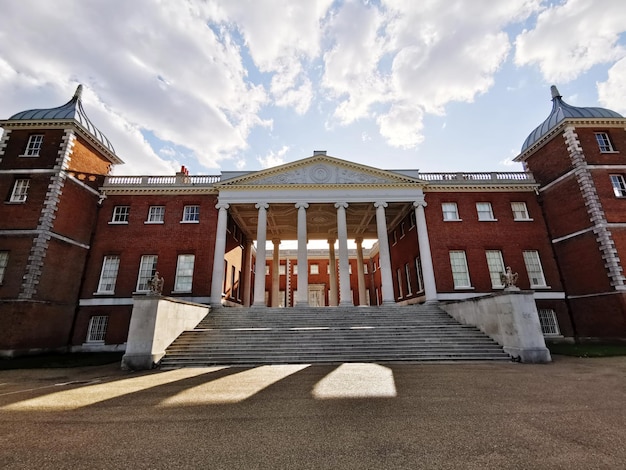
(357, 381)
(86, 395)
(233, 388)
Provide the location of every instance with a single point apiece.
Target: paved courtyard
(569, 414)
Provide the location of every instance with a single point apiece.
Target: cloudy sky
(439, 85)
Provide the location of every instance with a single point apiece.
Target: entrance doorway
(316, 295)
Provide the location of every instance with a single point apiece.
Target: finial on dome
(79, 92)
(555, 92)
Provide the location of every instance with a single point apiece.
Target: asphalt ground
(568, 414)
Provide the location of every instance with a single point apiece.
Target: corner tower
(52, 162)
(578, 156)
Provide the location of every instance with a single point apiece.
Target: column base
(388, 302)
(258, 306)
(346, 304)
(301, 305)
(431, 302)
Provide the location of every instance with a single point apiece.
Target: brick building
(76, 244)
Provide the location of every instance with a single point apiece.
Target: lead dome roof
(73, 109)
(561, 111)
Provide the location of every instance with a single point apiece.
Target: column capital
(420, 202)
(263, 205)
(222, 205)
(276, 241)
(331, 241)
(302, 205)
(382, 204)
(341, 204)
(358, 240)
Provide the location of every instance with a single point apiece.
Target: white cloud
(273, 158)
(402, 126)
(126, 53)
(612, 93)
(415, 57)
(571, 37)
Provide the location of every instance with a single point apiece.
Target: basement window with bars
(97, 329)
(549, 324)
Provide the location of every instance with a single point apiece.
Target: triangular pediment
(320, 170)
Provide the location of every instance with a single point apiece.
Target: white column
(217, 280)
(430, 288)
(259, 271)
(275, 274)
(383, 250)
(345, 298)
(332, 268)
(247, 274)
(360, 272)
(302, 294)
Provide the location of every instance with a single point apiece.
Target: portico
(321, 198)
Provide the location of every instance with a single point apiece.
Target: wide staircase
(239, 336)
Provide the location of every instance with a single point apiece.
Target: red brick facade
(56, 240)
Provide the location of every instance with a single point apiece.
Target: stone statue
(509, 278)
(156, 284)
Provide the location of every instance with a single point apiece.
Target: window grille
(4, 261)
(399, 279)
(418, 270)
(520, 211)
(20, 190)
(147, 269)
(407, 272)
(534, 269)
(34, 145)
(191, 213)
(184, 273)
(604, 143)
(548, 321)
(484, 210)
(496, 267)
(156, 214)
(460, 273)
(108, 275)
(619, 185)
(450, 211)
(120, 214)
(315, 268)
(97, 329)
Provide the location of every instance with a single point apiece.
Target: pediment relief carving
(322, 173)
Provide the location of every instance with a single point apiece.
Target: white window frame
(96, 331)
(120, 215)
(520, 211)
(314, 268)
(191, 214)
(407, 272)
(394, 237)
(534, 268)
(619, 185)
(156, 215)
(147, 269)
(460, 271)
(399, 280)
(485, 212)
(267, 269)
(282, 269)
(4, 262)
(604, 142)
(365, 269)
(450, 211)
(418, 270)
(184, 274)
(33, 147)
(549, 322)
(108, 274)
(20, 190)
(495, 264)
(294, 269)
(402, 229)
(412, 220)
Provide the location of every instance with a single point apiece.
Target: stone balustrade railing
(161, 180)
(478, 177)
